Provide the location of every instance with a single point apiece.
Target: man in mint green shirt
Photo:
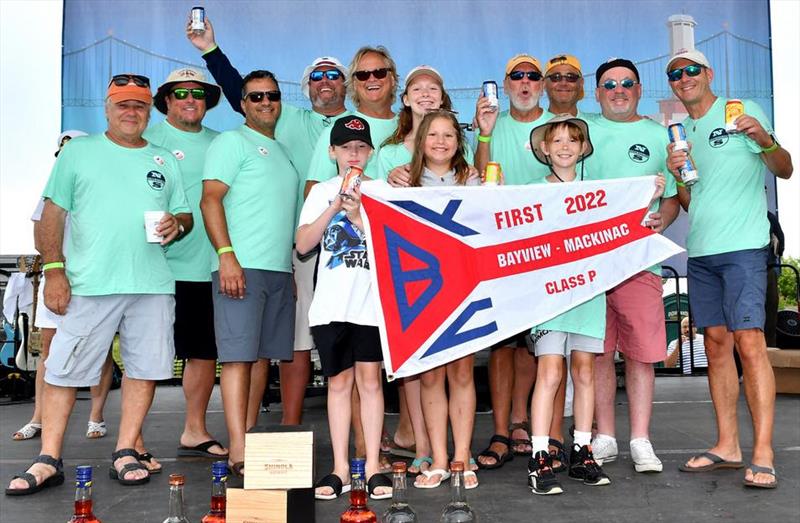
(727, 248)
(116, 278)
(628, 145)
(184, 98)
(248, 206)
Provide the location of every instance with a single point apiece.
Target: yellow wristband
(52, 265)
(484, 139)
(223, 250)
(772, 148)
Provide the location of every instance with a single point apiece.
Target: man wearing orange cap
(564, 85)
(115, 280)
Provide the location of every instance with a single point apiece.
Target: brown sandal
(522, 425)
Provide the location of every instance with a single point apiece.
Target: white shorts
(559, 343)
(80, 346)
(304, 283)
(45, 318)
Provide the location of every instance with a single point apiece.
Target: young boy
(342, 316)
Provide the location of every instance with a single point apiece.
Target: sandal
(518, 442)
(444, 475)
(28, 431)
(52, 481)
(417, 463)
(237, 469)
(716, 463)
(758, 469)
(378, 481)
(202, 450)
(499, 460)
(96, 427)
(119, 475)
(468, 473)
(560, 455)
(333, 481)
(147, 459)
(385, 463)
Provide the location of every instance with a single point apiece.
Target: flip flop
(201, 450)
(96, 427)
(403, 452)
(417, 462)
(716, 463)
(33, 487)
(333, 481)
(499, 460)
(758, 469)
(237, 469)
(146, 457)
(377, 481)
(468, 473)
(28, 431)
(444, 475)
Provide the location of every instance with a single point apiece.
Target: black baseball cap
(349, 128)
(615, 62)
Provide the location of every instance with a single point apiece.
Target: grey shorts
(259, 326)
(80, 346)
(304, 283)
(557, 343)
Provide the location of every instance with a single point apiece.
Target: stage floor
(682, 426)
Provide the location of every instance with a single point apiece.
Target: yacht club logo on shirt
(156, 180)
(177, 153)
(718, 137)
(262, 151)
(639, 153)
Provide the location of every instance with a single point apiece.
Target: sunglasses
(610, 85)
(332, 75)
(379, 74)
(569, 77)
(677, 74)
(124, 79)
(258, 96)
(181, 93)
(533, 76)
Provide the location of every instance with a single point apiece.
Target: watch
(181, 229)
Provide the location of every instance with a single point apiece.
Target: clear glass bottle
(399, 511)
(219, 479)
(176, 508)
(83, 496)
(458, 510)
(358, 511)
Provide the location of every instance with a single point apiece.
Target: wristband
(680, 184)
(772, 148)
(484, 139)
(52, 265)
(214, 47)
(223, 250)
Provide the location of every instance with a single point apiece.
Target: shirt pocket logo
(156, 180)
(718, 137)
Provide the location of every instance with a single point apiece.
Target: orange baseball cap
(130, 91)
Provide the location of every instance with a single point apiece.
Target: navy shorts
(729, 289)
(342, 344)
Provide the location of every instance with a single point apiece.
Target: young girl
(561, 144)
(439, 160)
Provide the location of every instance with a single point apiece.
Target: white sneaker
(644, 457)
(604, 448)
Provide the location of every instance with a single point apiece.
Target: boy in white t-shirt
(342, 316)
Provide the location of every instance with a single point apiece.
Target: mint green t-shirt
(511, 147)
(106, 188)
(260, 202)
(627, 150)
(190, 257)
(298, 130)
(397, 154)
(323, 168)
(728, 210)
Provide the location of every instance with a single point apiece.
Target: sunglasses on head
(677, 74)
(258, 96)
(610, 85)
(533, 76)
(332, 75)
(181, 93)
(379, 74)
(125, 79)
(569, 77)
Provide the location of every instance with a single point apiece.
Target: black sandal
(377, 481)
(333, 481)
(559, 455)
(146, 457)
(237, 469)
(52, 481)
(119, 475)
(499, 460)
(522, 425)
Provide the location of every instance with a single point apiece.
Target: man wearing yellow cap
(563, 82)
(115, 279)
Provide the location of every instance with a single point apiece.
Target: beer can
(350, 180)
(733, 110)
(677, 135)
(198, 19)
(493, 174)
(688, 172)
(490, 91)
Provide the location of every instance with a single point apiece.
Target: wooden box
(270, 506)
(279, 458)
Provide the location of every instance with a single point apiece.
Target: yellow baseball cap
(522, 59)
(563, 59)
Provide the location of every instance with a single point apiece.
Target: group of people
(250, 214)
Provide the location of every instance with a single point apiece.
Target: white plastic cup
(151, 221)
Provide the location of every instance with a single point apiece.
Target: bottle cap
(456, 466)
(219, 469)
(83, 476)
(399, 467)
(176, 479)
(358, 465)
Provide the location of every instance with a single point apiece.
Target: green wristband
(680, 184)
(223, 250)
(484, 139)
(52, 265)
(772, 148)
(215, 46)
